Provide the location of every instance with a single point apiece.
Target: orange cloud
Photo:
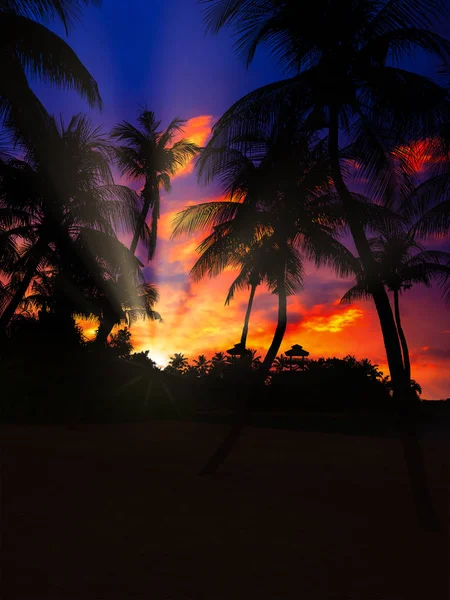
(196, 130)
(333, 323)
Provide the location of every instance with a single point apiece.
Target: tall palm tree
(150, 156)
(343, 57)
(403, 262)
(49, 209)
(271, 214)
(270, 209)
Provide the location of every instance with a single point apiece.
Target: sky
(156, 54)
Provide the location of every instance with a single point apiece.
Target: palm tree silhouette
(281, 363)
(344, 57)
(88, 283)
(344, 80)
(202, 365)
(30, 49)
(150, 156)
(45, 208)
(272, 215)
(178, 363)
(402, 262)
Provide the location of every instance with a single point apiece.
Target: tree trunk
(243, 412)
(378, 292)
(103, 332)
(247, 316)
(402, 337)
(37, 254)
(279, 331)
(426, 514)
(148, 202)
(140, 225)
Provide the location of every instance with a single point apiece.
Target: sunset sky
(156, 53)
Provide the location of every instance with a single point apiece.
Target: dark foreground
(117, 511)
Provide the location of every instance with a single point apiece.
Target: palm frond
(46, 56)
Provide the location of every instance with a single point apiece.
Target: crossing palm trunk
(140, 225)
(149, 202)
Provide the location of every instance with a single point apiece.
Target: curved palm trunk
(425, 512)
(37, 255)
(279, 332)
(382, 304)
(402, 337)
(244, 411)
(247, 316)
(151, 199)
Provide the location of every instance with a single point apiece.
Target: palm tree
(202, 365)
(281, 363)
(49, 210)
(402, 262)
(136, 300)
(29, 48)
(271, 214)
(150, 156)
(342, 55)
(178, 364)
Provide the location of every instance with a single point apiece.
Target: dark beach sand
(117, 511)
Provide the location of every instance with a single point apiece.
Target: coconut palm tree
(343, 58)
(102, 293)
(151, 157)
(178, 364)
(281, 363)
(403, 262)
(271, 214)
(136, 300)
(202, 365)
(29, 48)
(48, 210)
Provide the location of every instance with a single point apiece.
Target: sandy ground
(117, 511)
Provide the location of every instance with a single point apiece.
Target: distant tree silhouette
(202, 365)
(178, 364)
(148, 155)
(120, 343)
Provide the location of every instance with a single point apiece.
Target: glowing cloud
(333, 323)
(196, 130)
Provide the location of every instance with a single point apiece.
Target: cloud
(196, 130)
(333, 323)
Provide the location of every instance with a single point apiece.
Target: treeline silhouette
(53, 374)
